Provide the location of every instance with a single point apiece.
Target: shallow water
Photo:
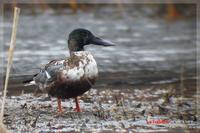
(142, 43)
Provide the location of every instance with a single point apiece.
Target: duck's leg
(59, 106)
(77, 105)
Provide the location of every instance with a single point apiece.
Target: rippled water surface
(142, 43)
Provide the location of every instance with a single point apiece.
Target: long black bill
(102, 42)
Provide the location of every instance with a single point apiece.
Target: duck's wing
(48, 73)
(79, 66)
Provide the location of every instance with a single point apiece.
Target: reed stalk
(10, 56)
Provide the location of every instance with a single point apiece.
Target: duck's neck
(72, 52)
(74, 46)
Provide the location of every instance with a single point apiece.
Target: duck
(74, 75)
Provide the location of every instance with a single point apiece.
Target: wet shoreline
(108, 109)
(120, 80)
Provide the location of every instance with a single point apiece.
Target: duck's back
(70, 77)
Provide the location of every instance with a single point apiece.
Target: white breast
(86, 67)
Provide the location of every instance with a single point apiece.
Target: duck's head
(78, 38)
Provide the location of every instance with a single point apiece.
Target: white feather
(30, 83)
(87, 67)
(48, 75)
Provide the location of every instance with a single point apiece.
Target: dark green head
(78, 38)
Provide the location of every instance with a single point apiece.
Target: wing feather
(48, 73)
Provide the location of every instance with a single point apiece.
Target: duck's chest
(80, 66)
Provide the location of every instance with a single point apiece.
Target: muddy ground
(152, 108)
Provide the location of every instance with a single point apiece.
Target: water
(142, 43)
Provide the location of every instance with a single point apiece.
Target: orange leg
(59, 106)
(77, 105)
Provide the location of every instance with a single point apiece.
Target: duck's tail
(29, 81)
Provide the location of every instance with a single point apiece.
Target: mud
(155, 108)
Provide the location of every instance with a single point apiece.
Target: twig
(10, 56)
(35, 121)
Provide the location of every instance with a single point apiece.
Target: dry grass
(10, 55)
(3, 128)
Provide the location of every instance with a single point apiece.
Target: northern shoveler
(73, 76)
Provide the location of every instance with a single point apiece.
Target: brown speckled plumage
(74, 75)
